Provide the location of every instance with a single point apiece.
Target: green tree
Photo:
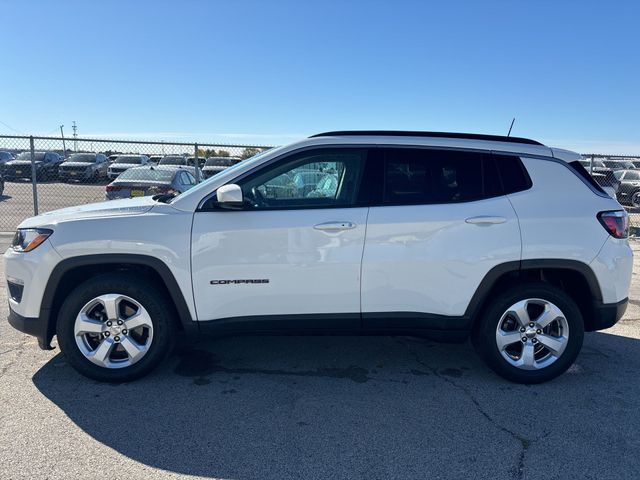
(249, 152)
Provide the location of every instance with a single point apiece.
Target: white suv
(443, 235)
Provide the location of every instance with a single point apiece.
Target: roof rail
(405, 133)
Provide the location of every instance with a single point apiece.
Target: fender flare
(187, 321)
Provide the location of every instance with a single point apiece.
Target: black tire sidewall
(485, 341)
(136, 287)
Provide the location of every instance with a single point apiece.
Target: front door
(292, 255)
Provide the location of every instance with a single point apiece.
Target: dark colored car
(629, 191)
(150, 180)
(155, 159)
(84, 167)
(4, 158)
(46, 166)
(1, 185)
(215, 165)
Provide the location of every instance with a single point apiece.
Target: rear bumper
(32, 326)
(606, 315)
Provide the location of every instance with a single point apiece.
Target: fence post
(33, 176)
(591, 166)
(197, 163)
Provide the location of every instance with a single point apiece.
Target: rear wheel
(115, 328)
(635, 199)
(530, 334)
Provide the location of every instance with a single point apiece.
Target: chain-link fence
(47, 173)
(619, 173)
(40, 174)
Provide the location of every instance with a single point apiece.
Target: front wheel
(530, 334)
(115, 328)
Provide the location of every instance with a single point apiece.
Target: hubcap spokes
(532, 334)
(113, 331)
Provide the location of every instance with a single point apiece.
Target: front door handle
(485, 220)
(335, 226)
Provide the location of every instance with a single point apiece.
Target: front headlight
(27, 239)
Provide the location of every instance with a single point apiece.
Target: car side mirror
(230, 196)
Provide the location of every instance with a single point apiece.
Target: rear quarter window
(513, 174)
(582, 173)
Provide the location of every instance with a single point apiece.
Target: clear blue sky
(270, 72)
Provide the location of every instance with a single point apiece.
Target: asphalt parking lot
(322, 407)
(16, 203)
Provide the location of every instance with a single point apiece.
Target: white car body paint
(424, 258)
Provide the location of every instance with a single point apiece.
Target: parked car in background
(125, 162)
(618, 164)
(200, 161)
(84, 167)
(46, 166)
(179, 160)
(608, 182)
(595, 164)
(215, 165)
(636, 163)
(112, 158)
(150, 180)
(175, 160)
(155, 159)
(629, 191)
(1, 185)
(4, 158)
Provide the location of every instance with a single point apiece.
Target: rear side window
(427, 176)
(513, 174)
(582, 172)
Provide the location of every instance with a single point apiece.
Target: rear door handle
(335, 226)
(485, 220)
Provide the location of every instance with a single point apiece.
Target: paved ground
(323, 407)
(16, 203)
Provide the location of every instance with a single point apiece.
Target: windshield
(82, 157)
(224, 162)
(147, 175)
(173, 161)
(27, 156)
(128, 159)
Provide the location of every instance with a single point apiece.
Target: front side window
(632, 175)
(318, 178)
(425, 176)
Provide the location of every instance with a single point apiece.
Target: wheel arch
(576, 278)
(69, 272)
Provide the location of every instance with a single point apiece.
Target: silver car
(150, 180)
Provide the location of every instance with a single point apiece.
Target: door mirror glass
(230, 196)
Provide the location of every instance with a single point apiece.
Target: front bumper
(32, 326)
(74, 175)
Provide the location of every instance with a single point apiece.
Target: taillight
(113, 188)
(616, 222)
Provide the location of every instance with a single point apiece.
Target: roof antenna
(511, 126)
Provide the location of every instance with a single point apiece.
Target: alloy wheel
(113, 331)
(532, 334)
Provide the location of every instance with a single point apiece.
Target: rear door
(292, 255)
(440, 225)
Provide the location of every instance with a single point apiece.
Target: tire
(500, 320)
(1, 186)
(634, 199)
(127, 293)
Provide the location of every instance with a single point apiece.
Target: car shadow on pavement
(361, 407)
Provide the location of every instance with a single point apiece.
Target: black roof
(405, 133)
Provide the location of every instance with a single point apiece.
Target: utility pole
(75, 137)
(64, 147)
